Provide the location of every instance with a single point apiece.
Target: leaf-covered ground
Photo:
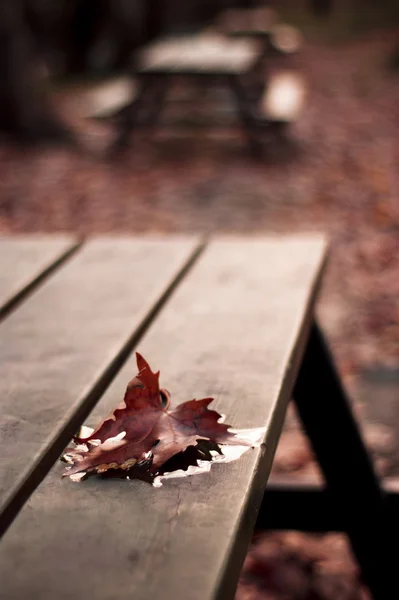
(339, 174)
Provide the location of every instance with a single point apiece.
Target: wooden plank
(25, 261)
(235, 329)
(205, 54)
(61, 349)
(104, 101)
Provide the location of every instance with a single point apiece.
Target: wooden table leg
(334, 434)
(129, 117)
(246, 112)
(156, 101)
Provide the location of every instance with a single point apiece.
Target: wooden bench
(283, 98)
(232, 319)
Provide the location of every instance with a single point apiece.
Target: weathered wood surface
(24, 261)
(61, 348)
(206, 53)
(235, 329)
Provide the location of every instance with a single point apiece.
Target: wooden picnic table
(232, 318)
(264, 102)
(206, 58)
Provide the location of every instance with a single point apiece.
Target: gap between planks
(23, 294)
(36, 472)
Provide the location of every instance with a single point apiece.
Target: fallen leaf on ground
(142, 432)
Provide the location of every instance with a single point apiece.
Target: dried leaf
(138, 412)
(142, 431)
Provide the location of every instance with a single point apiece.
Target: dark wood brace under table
(352, 500)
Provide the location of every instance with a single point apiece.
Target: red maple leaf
(142, 428)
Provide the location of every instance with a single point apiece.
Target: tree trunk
(24, 111)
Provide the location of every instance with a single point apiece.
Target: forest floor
(337, 173)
